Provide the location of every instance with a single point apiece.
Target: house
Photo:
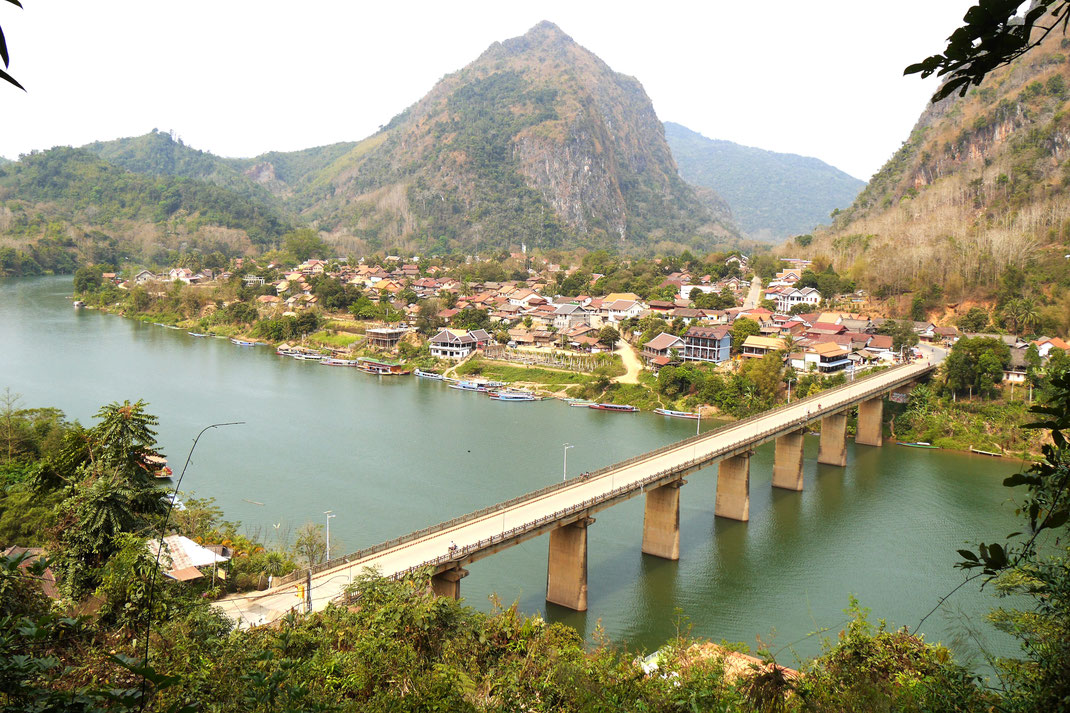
(1016, 371)
(1046, 344)
(664, 345)
(620, 310)
(182, 274)
(755, 347)
(182, 558)
(712, 344)
(452, 344)
(790, 298)
(947, 335)
(248, 280)
(482, 337)
(386, 338)
(568, 316)
(144, 276)
(826, 357)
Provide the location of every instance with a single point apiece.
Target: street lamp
(564, 468)
(329, 516)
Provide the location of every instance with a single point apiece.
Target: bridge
(565, 510)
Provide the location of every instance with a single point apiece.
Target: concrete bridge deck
(564, 510)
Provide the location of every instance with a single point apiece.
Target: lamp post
(564, 467)
(329, 516)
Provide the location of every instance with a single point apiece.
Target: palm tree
(1012, 312)
(125, 436)
(105, 510)
(1028, 314)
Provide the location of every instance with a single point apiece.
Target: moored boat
(382, 367)
(676, 414)
(624, 408)
(239, 342)
(480, 386)
(581, 404)
(78, 304)
(196, 334)
(513, 396)
(985, 453)
(428, 375)
(307, 356)
(920, 444)
(331, 361)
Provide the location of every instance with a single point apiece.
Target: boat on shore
(581, 404)
(513, 396)
(239, 342)
(196, 334)
(677, 414)
(382, 367)
(332, 361)
(623, 408)
(919, 444)
(985, 453)
(78, 304)
(307, 356)
(429, 375)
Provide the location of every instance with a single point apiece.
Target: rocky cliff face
(536, 141)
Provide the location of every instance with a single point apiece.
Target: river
(392, 455)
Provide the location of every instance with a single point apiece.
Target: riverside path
(564, 510)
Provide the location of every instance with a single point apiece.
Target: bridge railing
(536, 494)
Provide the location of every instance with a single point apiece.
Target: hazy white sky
(241, 77)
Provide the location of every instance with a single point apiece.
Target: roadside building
(755, 347)
(711, 344)
(452, 344)
(386, 338)
(663, 346)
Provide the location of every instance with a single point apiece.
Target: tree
(304, 243)
(741, 329)
(992, 36)
(901, 332)
(125, 436)
(608, 336)
(311, 546)
(976, 320)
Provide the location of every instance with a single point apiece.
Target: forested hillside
(974, 205)
(772, 195)
(64, 201)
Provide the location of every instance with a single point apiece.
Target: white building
(789, 298)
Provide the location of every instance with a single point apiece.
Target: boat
(625, 408)
(480, 386)
(78, 304)
(196, 334)
(919, 444)
(240, 342)
(985, 453)
(428, 375)
(382, 367)
(331, 361)
(159, 465)
(513, 396)
(581, 404)
(678, 414)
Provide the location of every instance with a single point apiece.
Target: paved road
(263, 607)
(754, 296)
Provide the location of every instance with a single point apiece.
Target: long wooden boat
(241, 342)
(197, 334)
(623, 408)
(985, 453)
(677, 414)
(920, 444)
(305, 356)
(428, 375)
(513, 396)
(331, 361)
(480, 386)
(581, 404)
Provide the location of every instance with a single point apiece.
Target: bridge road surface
(257, 608)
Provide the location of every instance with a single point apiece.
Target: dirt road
(632, 363)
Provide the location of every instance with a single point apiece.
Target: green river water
(393, 455)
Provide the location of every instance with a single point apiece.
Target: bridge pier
(448, 583)
(788, 461)
(733, 488)
(833, 450)
(661, 521)
(870, 414)
(566, 567)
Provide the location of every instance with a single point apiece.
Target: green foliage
(976, 364)
(974, 321)
(304, 243)
(741, 329)
(901, 332)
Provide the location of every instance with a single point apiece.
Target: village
(389, 312)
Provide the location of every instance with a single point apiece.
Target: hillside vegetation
(975, 199)
(772, 195)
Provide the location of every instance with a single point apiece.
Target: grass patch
(532, 374)
(340, 340)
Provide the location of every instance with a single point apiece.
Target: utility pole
(308, 590)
